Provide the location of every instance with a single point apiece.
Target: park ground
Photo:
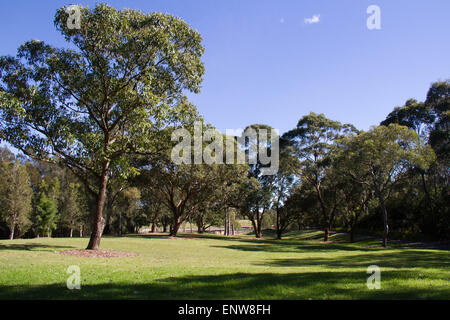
(195, 266)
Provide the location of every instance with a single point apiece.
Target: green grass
(214, 267)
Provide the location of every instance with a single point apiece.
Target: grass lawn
(215, 267)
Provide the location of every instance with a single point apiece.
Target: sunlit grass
(215, 267)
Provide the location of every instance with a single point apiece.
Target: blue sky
(264, 64)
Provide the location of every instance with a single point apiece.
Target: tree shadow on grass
(33, 247)
(268, 245)
(295, 246)
(314, 285)
(398, 259)
(183, 236)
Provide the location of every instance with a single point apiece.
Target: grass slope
(215, 267)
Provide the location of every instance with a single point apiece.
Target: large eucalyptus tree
(103, 97)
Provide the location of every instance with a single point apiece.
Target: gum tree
(312, 142)
(90, 106)
(379, 159)
(15, 196)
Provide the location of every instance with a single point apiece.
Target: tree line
(94, 124)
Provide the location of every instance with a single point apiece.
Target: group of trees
(38, 199)
(401, 167)
(97, 121)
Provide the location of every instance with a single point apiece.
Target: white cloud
(315, 19)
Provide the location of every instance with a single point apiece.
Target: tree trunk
(11, 233)
(153, 226)
(81, 231)
(258, 228)
(385, 223)
(279, 234)
(279, 231)
(175, 228)
(98, 222)
(199, 224)
(176, 224)
(255, 229)
(225, 225)
(326, 233)
(120, 223)
(71, 232)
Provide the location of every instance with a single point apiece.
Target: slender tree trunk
(326, 233)
(225, 225)
(279, 231)
(81, 231)
(71, 232)
(98, 221)
(385, 222)
(120, 223)
(12, 227)
(11, 233)
(153, 226)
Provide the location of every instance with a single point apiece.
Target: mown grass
(216, 267)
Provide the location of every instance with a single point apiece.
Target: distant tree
(283, 182)
(72, 209)
(128, 212)
(47, 216)
(91, 106)
(312, 140)
(185, 189)
(152, 207)
(253, 197)
(356, 197)
(15, 196)
(6, 155)
(379, 157)
(414, 115)
(438, 100)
